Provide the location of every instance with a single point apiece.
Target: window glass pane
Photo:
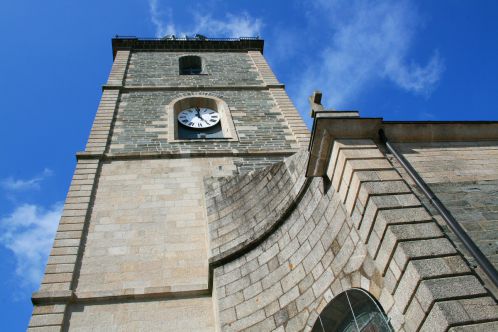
(352, 311)
(190, 65)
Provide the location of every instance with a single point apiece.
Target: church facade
(203, 203)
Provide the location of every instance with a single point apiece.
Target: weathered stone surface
(162, 69)
(479, 327)
(407, 264)
(447, 288)
(144, 213)
(417, 270)
(464, 176)
(161, 315)
(140, 111)
(462, 312)
(244, 208)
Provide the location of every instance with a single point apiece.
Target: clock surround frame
(205, 101)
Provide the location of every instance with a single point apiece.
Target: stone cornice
(129, 88)
(187, 45)
(331, 125)
(165, 292)
(176, 155)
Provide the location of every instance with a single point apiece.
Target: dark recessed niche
(190, 65)
(191, 133)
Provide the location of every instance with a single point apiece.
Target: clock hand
(200, 116)
(204, 120)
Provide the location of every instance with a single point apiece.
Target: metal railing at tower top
(187, 38)
(187, 44)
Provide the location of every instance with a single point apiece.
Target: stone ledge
(459, 312)
(132, 88)
(85, 155)
(363, 165)
(382, 249)
(349, 191)
(419, 270)
(174, 291)
(53, 328)
(52, 297)
(69, 296)
(337, 165)
(477, 327)
(432, 293)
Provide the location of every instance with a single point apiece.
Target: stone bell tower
(131, 250)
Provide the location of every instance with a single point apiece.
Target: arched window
(190, 65)
(352, 311)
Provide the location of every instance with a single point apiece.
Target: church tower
(199, 205)
(131, 251)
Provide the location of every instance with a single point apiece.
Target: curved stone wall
(244, 208)
(369, 232)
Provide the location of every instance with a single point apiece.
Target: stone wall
(133, 231)
(264, 117)
(247, 164)
(464, 176)
(141, 123)
(147, 231)
(241, 210)
(363, 229)
(132, 247)
(162, 69)
(61, 272)
(65, 256)
(160, 315)
(146, 236)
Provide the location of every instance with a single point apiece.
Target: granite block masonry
(163, 233)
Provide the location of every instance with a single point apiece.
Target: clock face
(199, 117)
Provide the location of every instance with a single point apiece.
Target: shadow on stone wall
(385, 242)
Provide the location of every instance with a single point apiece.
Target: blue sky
(401, 60)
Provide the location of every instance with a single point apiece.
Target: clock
(199, 117)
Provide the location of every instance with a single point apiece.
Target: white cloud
(31, 184)
(415, 78)
(29, 232)
(230, 25)
(368, 41)
(161, 19)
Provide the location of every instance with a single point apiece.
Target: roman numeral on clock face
(198, 117)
